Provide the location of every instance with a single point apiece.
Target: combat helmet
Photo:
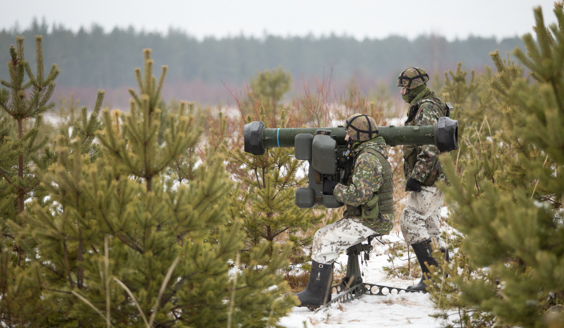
(412, 77)
(361, 127)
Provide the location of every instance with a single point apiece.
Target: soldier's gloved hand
(329, 186)
(413, 185)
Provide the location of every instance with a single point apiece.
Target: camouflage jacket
(424, 162)
(366, 179)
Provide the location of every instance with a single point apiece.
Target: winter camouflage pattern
(420, 219)
(424, 112)
(412, 77)
(336, 237)
(366, 179)
(361, 127)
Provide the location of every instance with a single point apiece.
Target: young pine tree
(22, 302)
(512, 219)
(475, 105)
(265, 200)
(24, 102)
(122, 244)
(266, 89)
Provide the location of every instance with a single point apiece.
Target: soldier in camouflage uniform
(368, 196)
(420, 220)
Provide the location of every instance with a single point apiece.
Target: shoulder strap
(386, 191)
(412, 112)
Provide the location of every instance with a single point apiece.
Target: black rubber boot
(423, 251)
(318, 290)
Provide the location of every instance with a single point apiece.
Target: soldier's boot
(424, 253)
(318, 290)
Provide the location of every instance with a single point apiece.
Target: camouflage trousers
(336, 237)
(420, 219)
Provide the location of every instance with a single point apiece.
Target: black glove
(329, 186)
(413, 185)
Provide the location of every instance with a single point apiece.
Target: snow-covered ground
(400, 310)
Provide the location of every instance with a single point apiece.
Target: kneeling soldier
(368, 196)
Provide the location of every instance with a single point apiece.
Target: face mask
(413, 93)
(354, 144)
(407, 97)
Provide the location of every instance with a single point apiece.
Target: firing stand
(352, 286)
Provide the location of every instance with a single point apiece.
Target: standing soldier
(369, 199)
(420, 220)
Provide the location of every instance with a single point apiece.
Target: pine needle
(134, 300)
(107, 279)
(161, 291)
(537, 183)
(91, 305)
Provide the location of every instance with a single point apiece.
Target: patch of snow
(397, 121)
(445, 212)
(394, 310)
(369, 311)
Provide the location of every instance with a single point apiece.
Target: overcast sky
(357, 18)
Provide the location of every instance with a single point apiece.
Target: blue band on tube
(278, 137)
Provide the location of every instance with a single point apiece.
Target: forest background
(94, 58)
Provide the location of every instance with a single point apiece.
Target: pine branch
(7, 179)
(39, 57)
(30, 75)
(62, 276)
(161, 82)
(162, 289)
(134, 301)
(67, 267)
(82, 298)
(136, 99)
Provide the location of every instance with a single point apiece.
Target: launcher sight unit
(327, 153)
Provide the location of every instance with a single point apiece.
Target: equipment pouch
(410, 156)
(371, 210)
(434, 174)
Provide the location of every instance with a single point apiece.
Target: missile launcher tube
(444, 134)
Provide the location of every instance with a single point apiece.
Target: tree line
(94, 57)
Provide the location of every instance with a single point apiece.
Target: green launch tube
(444, 135)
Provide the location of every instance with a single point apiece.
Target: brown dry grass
(400, 195)
(396, 300)
(298, 282)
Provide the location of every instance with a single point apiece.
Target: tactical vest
(383, 201)
(410, 152)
